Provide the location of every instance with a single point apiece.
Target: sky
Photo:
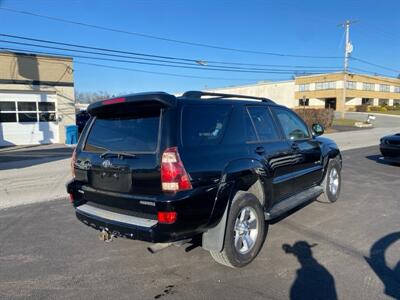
(302, 28)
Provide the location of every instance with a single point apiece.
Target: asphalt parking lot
(346, 250)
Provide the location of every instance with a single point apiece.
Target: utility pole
(348, 48)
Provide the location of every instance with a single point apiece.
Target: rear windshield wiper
(119, 154)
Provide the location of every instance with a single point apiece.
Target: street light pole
(348, 48)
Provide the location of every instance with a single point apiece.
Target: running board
(292, 202)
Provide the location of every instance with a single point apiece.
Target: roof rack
(200, 94)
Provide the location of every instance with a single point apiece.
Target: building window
(27, 117)
(351, 85)
(329, 85)
(384, 88)
(366, 101)
(318, 85)
(304, 102)
(47, 106)
(7, 106)
(27, 111)
(368, 86)
(27, 106)
(383, 102)
(47, 117)
(8, 112)
(397, 89)
(8, 117)
(304, 87)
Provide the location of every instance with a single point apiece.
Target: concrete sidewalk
(381, 121)
(361, 138)
(33, 174)
(39, 182)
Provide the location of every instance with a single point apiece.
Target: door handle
(295, 146)
(260, 150)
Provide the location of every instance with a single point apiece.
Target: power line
(374, 75)
(149, 72)
(173, 66)
(163, 38)
(165, 73)
(375, 65)
(368, 71)
(196, 66)
(192, 60)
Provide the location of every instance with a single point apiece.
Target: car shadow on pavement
(382, 160)
(389, 277)
(313, 280)
(30, 157)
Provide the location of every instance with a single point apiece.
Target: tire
(244, 209)
(332, 183)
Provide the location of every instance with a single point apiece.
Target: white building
(36, 98)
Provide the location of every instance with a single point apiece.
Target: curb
(373, 113)
(12, 205)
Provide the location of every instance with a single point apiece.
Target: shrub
(362, 108)
(392, 108)
(316, 115)
(377, 108)
(374, 108)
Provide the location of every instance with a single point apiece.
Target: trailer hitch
(106, 236)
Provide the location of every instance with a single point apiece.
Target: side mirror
(317, 129)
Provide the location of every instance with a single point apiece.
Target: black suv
(169, 170)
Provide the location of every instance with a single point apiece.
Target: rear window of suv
(125, 133)
(204, 124)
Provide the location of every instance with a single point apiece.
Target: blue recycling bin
(71, 134)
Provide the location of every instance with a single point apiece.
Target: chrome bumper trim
(112, 216)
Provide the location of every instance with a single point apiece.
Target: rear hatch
(119, 157)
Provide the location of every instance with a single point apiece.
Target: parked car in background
(81, 119)
(390, 147)
(166, 169)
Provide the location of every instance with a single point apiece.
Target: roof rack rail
(200, 94)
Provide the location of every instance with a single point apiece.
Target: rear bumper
(122, 225)
(135, 217)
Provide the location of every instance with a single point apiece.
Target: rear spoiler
(162, 98)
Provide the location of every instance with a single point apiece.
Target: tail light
(174, 177)
(73, 161)
(71, 198)
(166, 217)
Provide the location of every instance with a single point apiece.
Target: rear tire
(245, 232)
(332, 183)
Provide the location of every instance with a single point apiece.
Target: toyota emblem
(106, 164)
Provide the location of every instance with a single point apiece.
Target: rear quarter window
(204, 124)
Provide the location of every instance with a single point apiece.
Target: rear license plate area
(112, 180)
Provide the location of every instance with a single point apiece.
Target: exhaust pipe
(161, 246)
(158, 247)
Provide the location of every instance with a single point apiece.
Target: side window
(204, 124)
(263, 123)
(293, 127)
(250, 131)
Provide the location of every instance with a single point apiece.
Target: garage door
(28, 119)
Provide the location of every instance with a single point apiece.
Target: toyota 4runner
(166, 169)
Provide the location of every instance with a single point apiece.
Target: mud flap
(213, 239)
